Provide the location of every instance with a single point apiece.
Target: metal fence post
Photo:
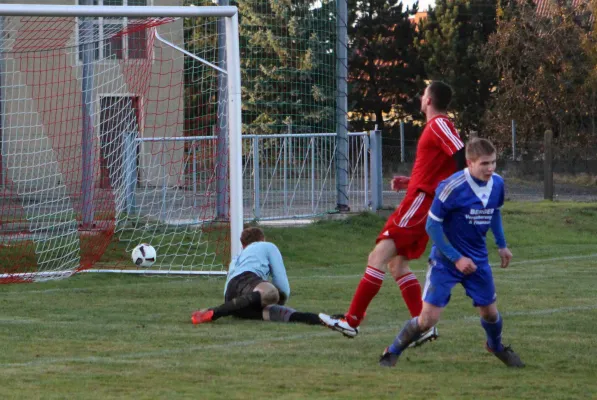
(513, 140)
(194, 147)
(366, 169)
(130, 170)
(376, 172)
(548, 166)
(402, 147)
(313, 174)
(3, 172)
(290, 165)
(164, 191)
(222, 178)
(285, 175)
(88, 131)
(342, 162)
(256, 194)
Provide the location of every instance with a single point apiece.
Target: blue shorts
(441, 278)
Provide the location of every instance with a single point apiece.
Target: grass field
(108, 336)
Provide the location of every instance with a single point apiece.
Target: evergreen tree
(288, 65)
(453, 37)
(384, 68)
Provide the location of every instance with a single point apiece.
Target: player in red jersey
(440, 153)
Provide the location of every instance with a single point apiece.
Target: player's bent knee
(427, 321)
(382, 254)
(372, 261)
(270, 297)
(489, 313)
(383, 267)
(429, 316)
(269, 293)
(378, 258)
(398, 266)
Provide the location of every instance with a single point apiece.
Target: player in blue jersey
(465, 207)
(248, 293)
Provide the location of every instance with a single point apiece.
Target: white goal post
(119, 125)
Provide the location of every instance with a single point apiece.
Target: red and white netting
(109, 134)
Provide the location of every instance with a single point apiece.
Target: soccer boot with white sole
(339, 324)
(427, 336)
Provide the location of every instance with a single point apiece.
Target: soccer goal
(119, 125)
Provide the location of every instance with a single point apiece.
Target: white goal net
(118, 126)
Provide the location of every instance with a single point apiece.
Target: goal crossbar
(115, 11)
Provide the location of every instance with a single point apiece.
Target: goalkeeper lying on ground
(248, 292)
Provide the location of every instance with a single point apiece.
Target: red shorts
(406, 225)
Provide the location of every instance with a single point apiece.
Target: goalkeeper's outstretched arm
(278, 272)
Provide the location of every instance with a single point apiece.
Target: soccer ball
(144, 255)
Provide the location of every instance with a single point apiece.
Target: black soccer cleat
(507, 356)
(388, 359)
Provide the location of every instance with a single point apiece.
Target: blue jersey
(465, 207)
(264, 260)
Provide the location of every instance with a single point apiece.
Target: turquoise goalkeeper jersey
(264, 260)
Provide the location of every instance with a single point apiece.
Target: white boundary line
(291, 278)
(243, 343)
(495, 266)
(538, 260)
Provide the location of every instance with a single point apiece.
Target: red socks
(411, 293)
(369, 287)
(366, 291)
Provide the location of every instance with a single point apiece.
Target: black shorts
(240, 285)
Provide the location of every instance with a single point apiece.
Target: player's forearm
(436, 233)
(281, 282)
(278, 271)
(497, 229)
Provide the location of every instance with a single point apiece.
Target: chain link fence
(574, 172)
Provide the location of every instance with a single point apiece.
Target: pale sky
(423, 4)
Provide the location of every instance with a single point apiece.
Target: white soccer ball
(144, 255)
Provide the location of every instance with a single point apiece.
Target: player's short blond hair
(479, 147)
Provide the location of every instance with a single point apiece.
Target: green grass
(177, 245)
(111, 336)
(581, 179)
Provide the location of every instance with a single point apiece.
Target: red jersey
(434, 162)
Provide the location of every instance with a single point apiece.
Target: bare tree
(547, 80)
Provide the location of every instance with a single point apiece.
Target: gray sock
(409, 333)
(280, 313)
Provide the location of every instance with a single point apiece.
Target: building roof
(544, 6)
(418, 17)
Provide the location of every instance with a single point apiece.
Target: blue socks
(494, 333)
(409, 333)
